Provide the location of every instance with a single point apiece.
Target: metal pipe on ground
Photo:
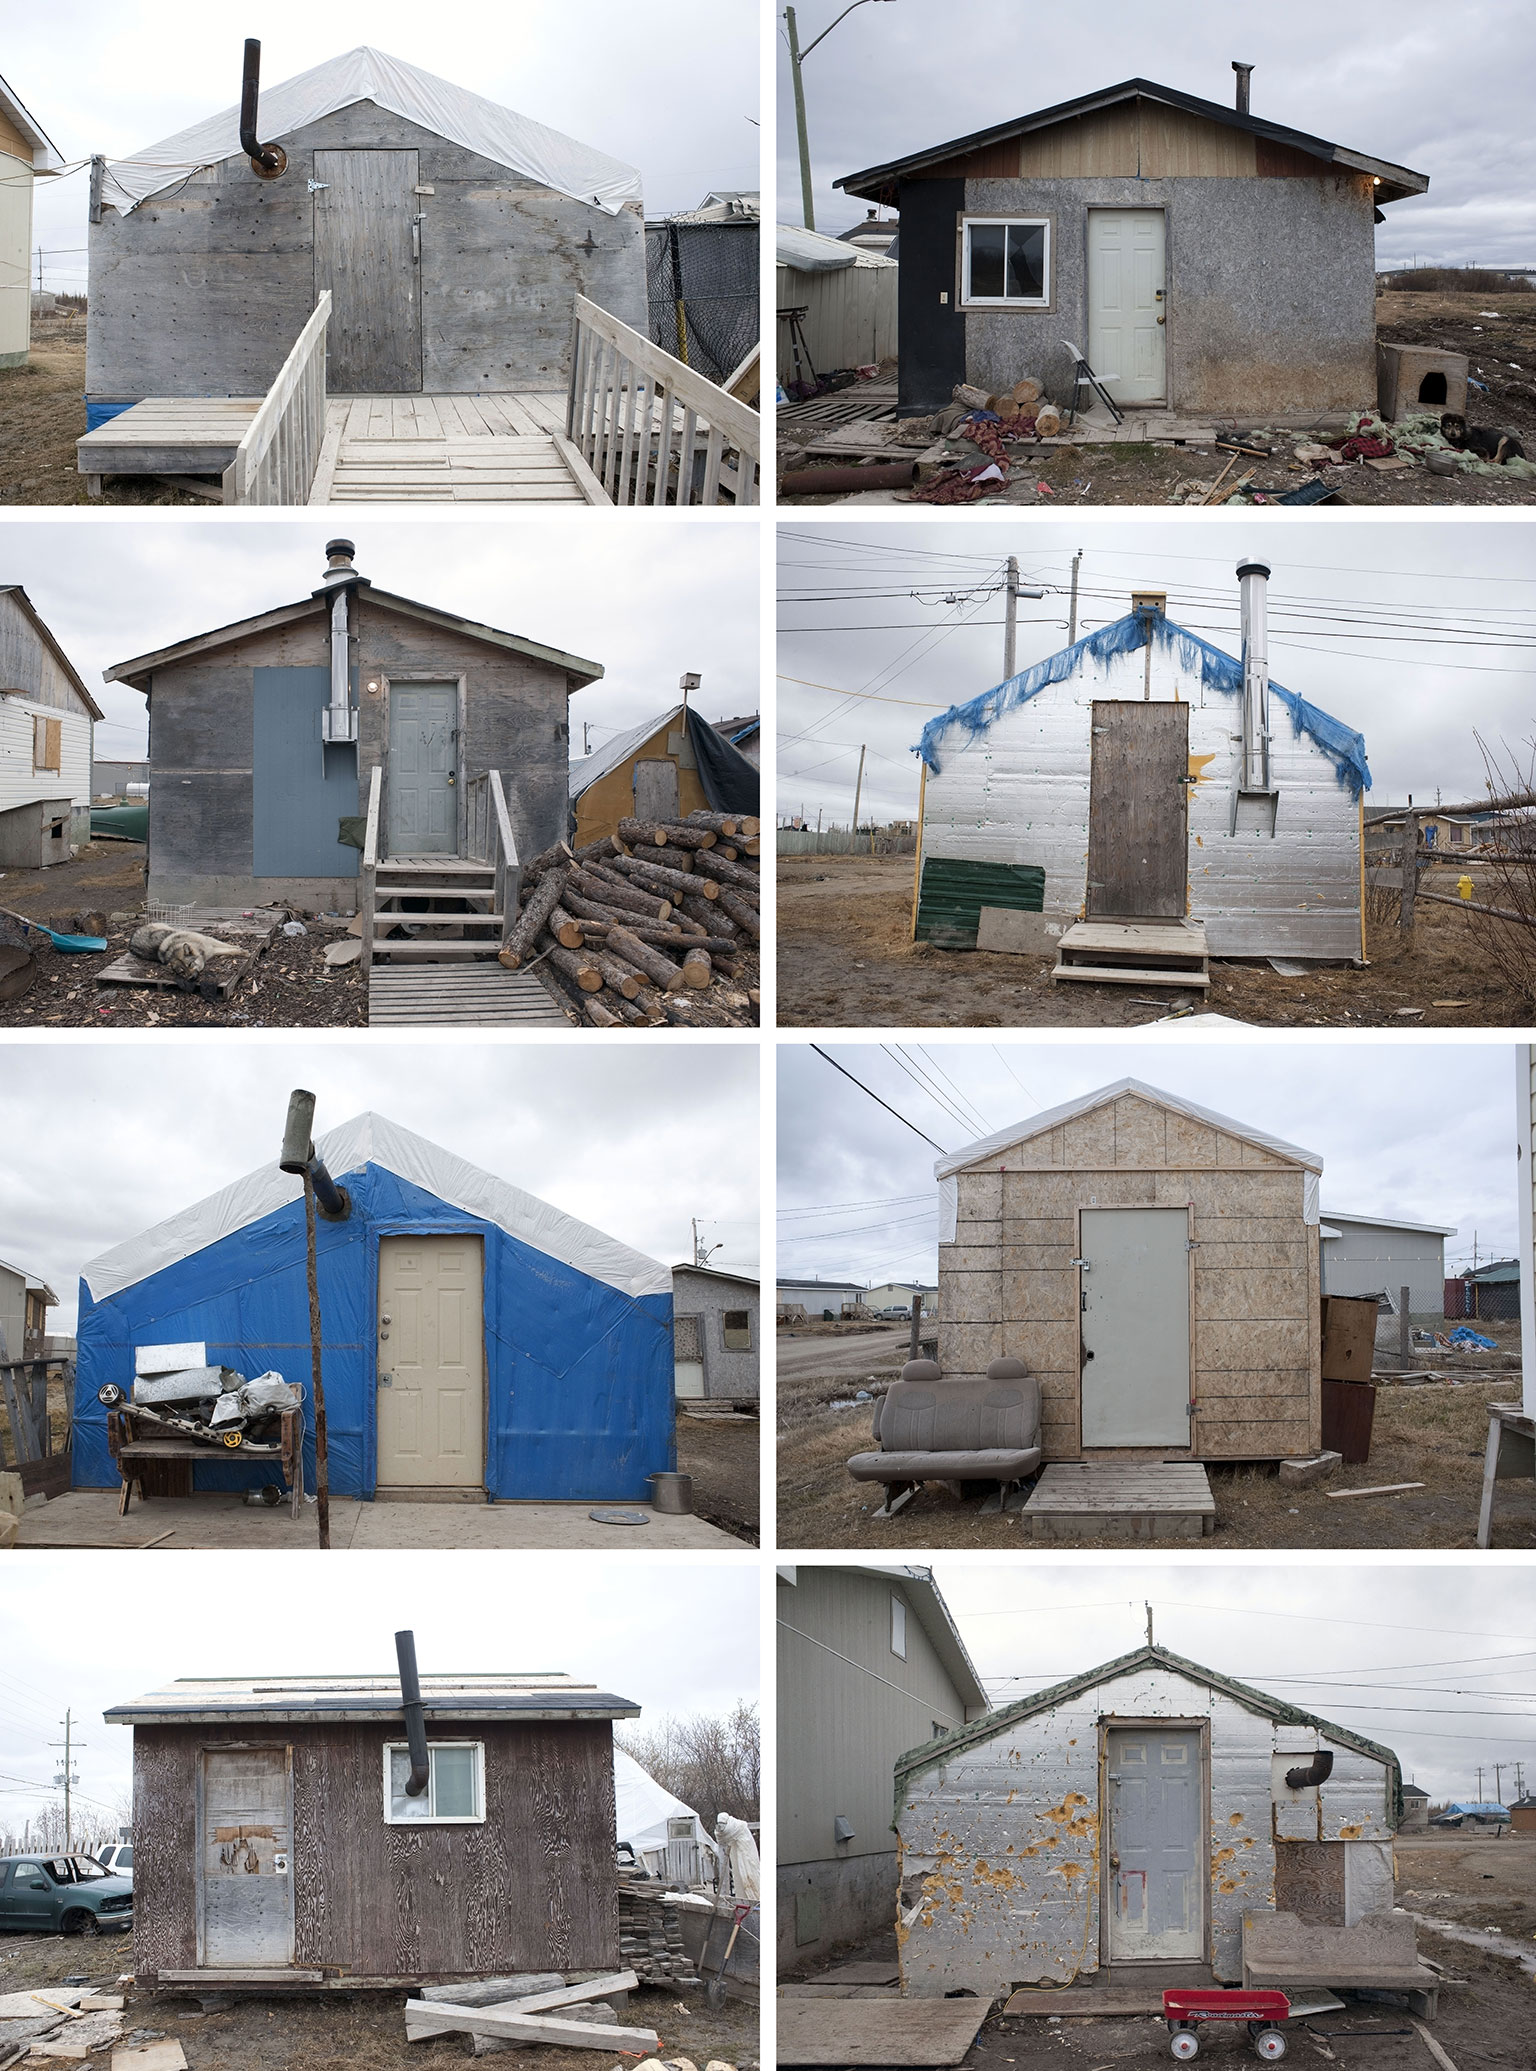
(840, 481)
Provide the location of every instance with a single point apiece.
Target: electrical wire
(829, 1059)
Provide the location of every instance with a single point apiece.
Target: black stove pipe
(266, 159)
(415, 1713)
(298, 1156)
(1318, 1771)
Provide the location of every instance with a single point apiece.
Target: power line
(828, 1059)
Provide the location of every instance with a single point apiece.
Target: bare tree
(1503, 922)
(712, 1763)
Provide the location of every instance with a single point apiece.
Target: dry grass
(42, 413)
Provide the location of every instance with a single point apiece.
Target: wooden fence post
(1404, 1329)
(1410, 861)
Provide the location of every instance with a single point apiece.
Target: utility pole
(858, 789)
(68, 1778)
(1479, 1783)
(807, 205)
(1072, 623)
(1149, 1625)
(701, 1250)
(1498, 1783)
(1011, 618)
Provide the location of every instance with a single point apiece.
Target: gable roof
(15, 591)
(878, 183)
(465, 118)
(31, 1284)
(140, 670)
(46, 155)
(716, 1273)
(581, 776)
(375, 1140)
(922, 1592)
(1387, 1222)
(375, 1697)
(933, 1753)
(1022, 1132)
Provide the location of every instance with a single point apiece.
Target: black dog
(1480, 440)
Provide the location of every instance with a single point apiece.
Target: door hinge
(319, 186)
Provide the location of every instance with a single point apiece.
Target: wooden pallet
(1111, 952)
(487, 995)
(1131, 1499)
(864, 403)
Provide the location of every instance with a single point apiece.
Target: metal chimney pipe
(266, 159)
(1251, 579)
(341, 717)
(415, 1713)
(1243, 71)
(1317, 1771)
(298, 1157)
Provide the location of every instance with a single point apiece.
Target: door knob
(386, 1380)
(1162, 319)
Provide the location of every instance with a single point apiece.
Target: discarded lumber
(435, 2017)
(1388, 1488)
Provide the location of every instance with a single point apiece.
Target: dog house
(1420, 377)
(474, 1337)
(1153, 1264)
(1133, 1815)
(304, 1832)
(453, 234)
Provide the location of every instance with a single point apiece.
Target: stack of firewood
(658, 923)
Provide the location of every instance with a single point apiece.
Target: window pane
(1026, 260)
(736, 1328)
(987, 258)
(453, 1782)
(400, 1806)
(898, 1628)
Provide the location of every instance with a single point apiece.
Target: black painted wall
(930, 333)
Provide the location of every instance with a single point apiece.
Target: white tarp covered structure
(465, 118)
(370, 1139)
(645, 1810)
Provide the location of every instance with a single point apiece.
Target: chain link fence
(712, 269)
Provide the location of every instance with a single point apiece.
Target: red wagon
(1259, 2011)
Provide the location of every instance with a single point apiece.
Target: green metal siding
(953, 893)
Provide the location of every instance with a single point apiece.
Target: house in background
(845, 289)
(745, 735)
(716, 1335)
(24, 1304)
(663, 769)
(1488, 1294)
(1208, 260)
(874, 234)
(1415, 1819)
(706, 258)
(869, 1664)
(897, 1294)
(817, 1296)
(47, 726)
(27, 154)
(1375, 1255)
(1522, 1816)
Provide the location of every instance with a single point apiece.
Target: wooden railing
(276, 460)
(650, 429)
(368, 885)
(488, 838)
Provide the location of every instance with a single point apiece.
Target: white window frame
(970, 301)
(898, 1626)
(433, 1817)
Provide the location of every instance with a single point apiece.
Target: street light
(797, 57)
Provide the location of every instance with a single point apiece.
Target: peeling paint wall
(1001, 1847)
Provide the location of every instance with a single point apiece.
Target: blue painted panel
(297, 799)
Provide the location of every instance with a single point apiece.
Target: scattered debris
(1391, 1488)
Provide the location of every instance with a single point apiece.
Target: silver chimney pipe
(1252, 576)
(1242, 72)
(340, 719)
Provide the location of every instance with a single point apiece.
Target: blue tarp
(98, 414)
(1463, 1336)
(1344, 748)
(578, 1381)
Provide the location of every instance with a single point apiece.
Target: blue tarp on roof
(1344, 748)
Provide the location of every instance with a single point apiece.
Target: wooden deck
(1113, 952)
(1113, 1499)
(462, 995)
(170, 435)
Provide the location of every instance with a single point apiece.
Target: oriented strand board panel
(878, 2031)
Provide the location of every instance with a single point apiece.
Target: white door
(1127, 302)
(1135, 1326)
(431, 1363)
(246, 1911)
(688, 1357)
(1156, 1823)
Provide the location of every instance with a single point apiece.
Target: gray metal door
(1138, 811)
(245, 1919)
(1156, 1907)
(1135, 1326)
(422, 779)
(368, 253)
(656, 791)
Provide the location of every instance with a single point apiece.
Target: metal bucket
(672, 1494)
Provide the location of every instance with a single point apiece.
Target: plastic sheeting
(578, 1366)
(1344, 748)
(731, 783)
(645, 1808)
(465, 118)
(741, 1854)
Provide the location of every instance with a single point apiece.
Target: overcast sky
(1385, 1650)
(1419, 635)
(1420, 1132)
(674, 1642)
(103, 1143)
(674, 95)
(1415, 87)
(622, 596)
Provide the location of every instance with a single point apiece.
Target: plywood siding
(1007, 1285)
(530, 1889)
(15, 247)
(1137, 140)
(602, 805)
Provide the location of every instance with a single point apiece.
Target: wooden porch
(1115, 1499)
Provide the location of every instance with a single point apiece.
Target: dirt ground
(42, 413)
(1494, 331)
(362, 2031)
(722, 1453)
(846, 960)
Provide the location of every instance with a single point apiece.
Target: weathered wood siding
(1007, 1285)
(28, 664)
(532, 1888)
(602, 805)
(202, 290)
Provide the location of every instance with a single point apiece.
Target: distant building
(1373, 1254)
(1481, 1814)
(893, 1294)
(26, 154)
(716, 1337)
(24, 1304)
(47, 726)
(1415, 1810)
(1522, 1816)
(817, 1296)
(873, 235)
(744, 735)
(1485, 1294)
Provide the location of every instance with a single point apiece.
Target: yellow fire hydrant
(1464, 887)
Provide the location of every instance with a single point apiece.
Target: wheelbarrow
(1186, 2012)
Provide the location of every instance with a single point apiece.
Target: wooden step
(1111, 952)
(436, 891)
(1133, 1499)
(433, 866)
(424, 952)
(1117, 974)
(485, 996)
(435, 920)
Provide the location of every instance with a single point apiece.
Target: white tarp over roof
(807, 251)
(375, 1140)
(619, 749)
(450, 111)
(643, 1807)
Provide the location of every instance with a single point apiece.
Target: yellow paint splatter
(1199, 764)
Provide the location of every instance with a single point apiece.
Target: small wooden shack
(1155, 1264)
(277, 1846)
(1134, 1814)
(264, 737)
(47, 722)
(453, 234)
(664, 769)
(27, 154)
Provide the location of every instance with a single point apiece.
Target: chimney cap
(1249, 566)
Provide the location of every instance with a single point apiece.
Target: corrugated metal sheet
(954, 890)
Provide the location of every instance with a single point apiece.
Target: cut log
(599, 1015)
(697, 969)
(541, 903)
(722, 823)
(631, 1015)
(666, 859)
(680, 835)
(569, 932)
(744, 914)
(707, 916)
(654, 876)
(622, 943)
(619, 977)
(697, 1010)
(631, 832)
(737, 874)
(606, 888)
(752, 845)
(578, 965)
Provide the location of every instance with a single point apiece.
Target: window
(736, 1330)
(455, 1792)
(898, 1628)
(1006, 262)
(47, 740)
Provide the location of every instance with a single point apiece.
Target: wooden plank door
(1156, 1845)
(656, 790)
(245, 1915)
(1135, 1326)
(431, 1363)
(422, 780)
(1138, 811)
(367, 252)
(1127, 301)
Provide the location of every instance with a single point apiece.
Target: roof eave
(365, 1714)
(16, 590)
(46, 155)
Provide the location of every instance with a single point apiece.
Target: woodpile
(651, 1934)
(656, 925)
